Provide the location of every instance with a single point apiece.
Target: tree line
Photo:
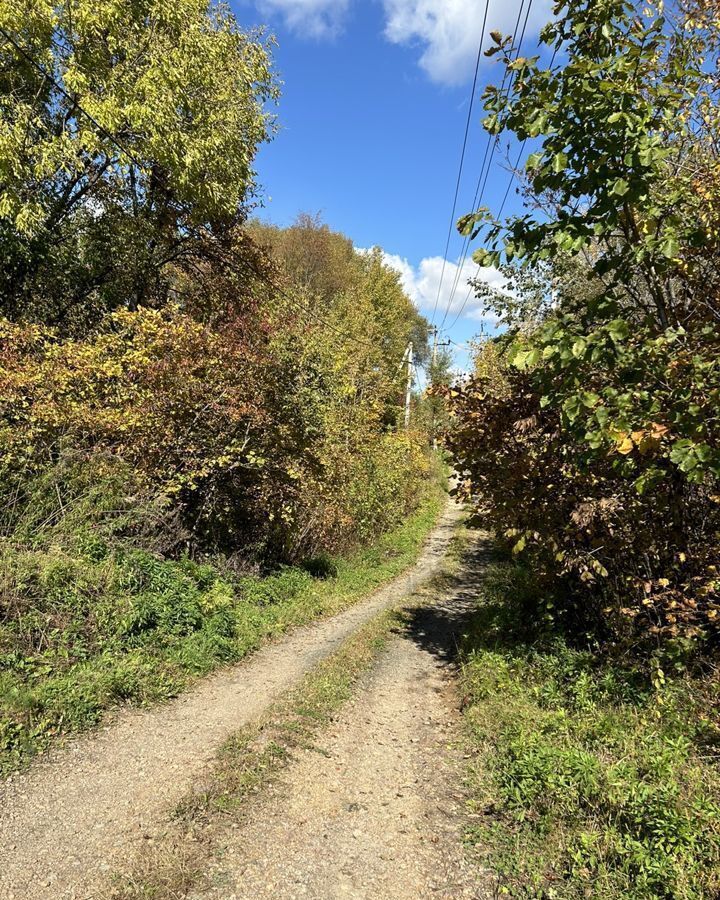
(245, 378)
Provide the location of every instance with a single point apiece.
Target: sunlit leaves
(615, 117)
(146, 143)
(620, 187)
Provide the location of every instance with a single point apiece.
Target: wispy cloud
(310, 18)
(445, 32)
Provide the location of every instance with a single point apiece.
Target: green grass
(88, 625)
(592, 778)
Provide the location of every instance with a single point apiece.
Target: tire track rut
(77, 813)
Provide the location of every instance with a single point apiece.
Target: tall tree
(127, 136)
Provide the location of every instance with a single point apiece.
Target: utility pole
(408, 390)
(432, 382)
(433, 422)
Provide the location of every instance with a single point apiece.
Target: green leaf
(571, 408)
(466, 224)
(646, 156)
(559, 163)
(520, 359)
(670, 246)
(703, 452)
(533, 161)
(618, 330)
(620, 188)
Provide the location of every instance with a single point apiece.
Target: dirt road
(376, 810)
(76, 814)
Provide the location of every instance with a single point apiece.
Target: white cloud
(421, 285)
(408, 276)
(311, 18)
(448, 31)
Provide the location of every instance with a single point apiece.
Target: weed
(593, 781)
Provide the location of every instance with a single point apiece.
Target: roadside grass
(591, 777)
(89, 624)
(249, 761)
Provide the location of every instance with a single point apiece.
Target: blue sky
(372, 115)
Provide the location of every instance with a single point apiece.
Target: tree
(626, 141)
(127, 136)
(599, 444)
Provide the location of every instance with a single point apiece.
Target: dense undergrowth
(594, 776)
(94, 614)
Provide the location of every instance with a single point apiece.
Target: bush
(592, 490)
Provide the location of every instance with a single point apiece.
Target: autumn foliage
(588, 435)
(248, 376)
(247, 423)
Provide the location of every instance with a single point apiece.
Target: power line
(482, 181)
(500, 212)
(490, 149)
(513, 175)
(466, 241)
(464, 347)
(494, 145)
(462, 158)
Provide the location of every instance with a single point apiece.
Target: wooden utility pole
(433, 373)
(408, 390)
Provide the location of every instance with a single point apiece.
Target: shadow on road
(438, 628)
